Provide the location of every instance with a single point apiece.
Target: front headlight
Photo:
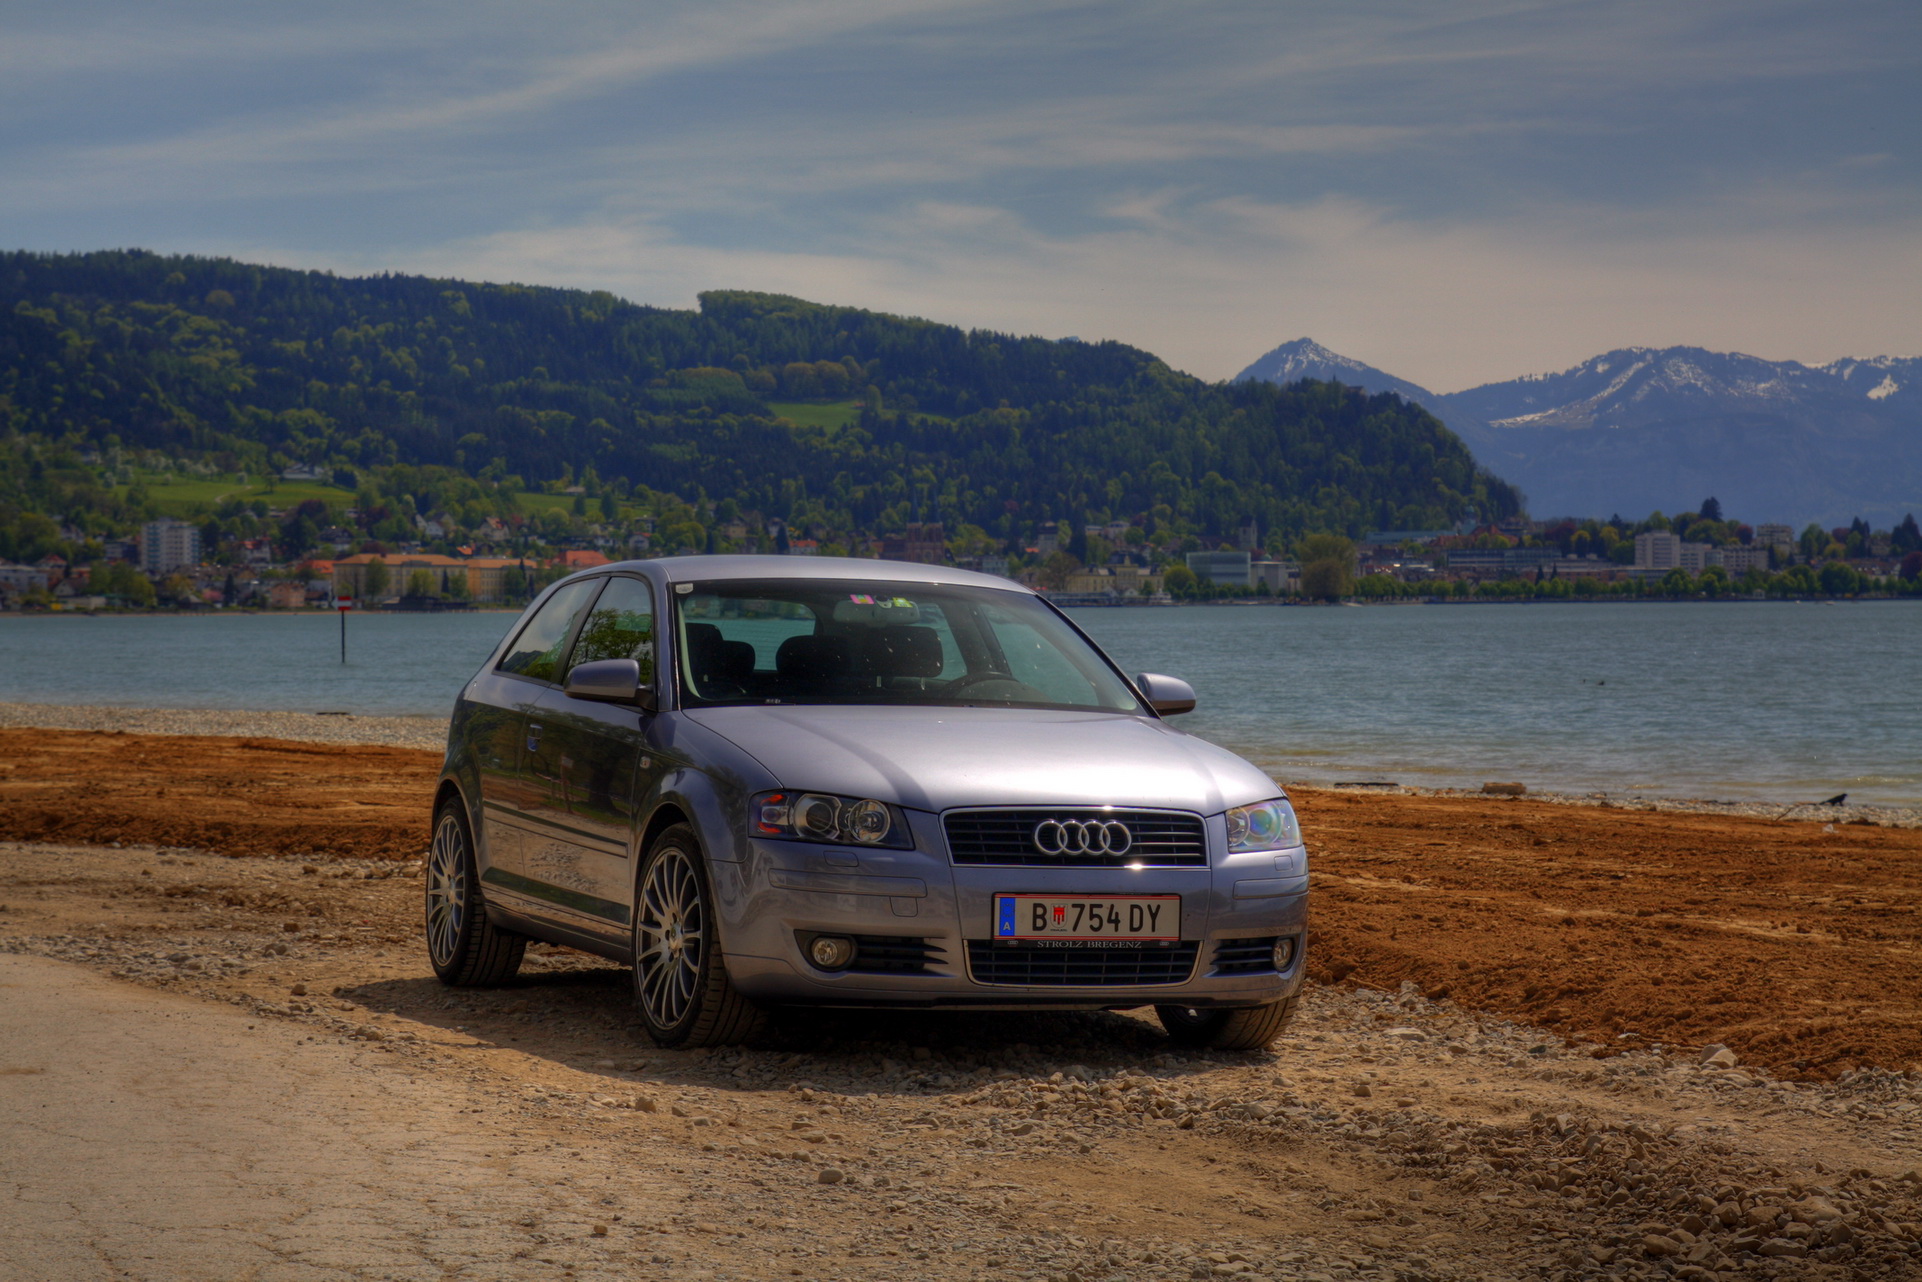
(820, 816)
(1266, 825)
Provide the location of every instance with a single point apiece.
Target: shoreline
(428, 733)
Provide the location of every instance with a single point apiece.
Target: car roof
(701, 569)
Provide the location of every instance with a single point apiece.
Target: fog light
(831, 952)
(1284, 952)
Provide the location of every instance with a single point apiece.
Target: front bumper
(916, 904)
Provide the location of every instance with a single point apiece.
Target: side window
(536, 652)
(620, 626)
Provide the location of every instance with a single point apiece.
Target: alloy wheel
(446, 890)
(671, 932)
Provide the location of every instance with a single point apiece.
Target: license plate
(1142, 917)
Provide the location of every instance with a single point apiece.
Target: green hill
(834, 419)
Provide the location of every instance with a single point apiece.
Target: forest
(416, 396)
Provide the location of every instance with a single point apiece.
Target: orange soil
(1793, 944)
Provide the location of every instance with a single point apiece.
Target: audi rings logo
(1082, 837)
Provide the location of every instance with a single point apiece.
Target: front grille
(1080, 967)
(1157, 838)
(1245, 956)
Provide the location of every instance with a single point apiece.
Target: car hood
(939, 758)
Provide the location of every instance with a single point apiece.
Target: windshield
(835, 641)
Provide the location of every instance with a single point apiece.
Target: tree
(374, 581)
(1711, 509)
(1840, 579)
(1912, 565)
(420, 584)
(456, 586)
(1906, 537)
(1179, 580)
(1327, 566)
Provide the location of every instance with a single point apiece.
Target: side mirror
(609, 681)
(1166, 695)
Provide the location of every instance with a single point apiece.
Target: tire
(1246, 1028)
(681, 988)
(466, 949)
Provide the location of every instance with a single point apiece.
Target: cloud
(1209, 287)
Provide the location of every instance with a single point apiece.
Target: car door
(588, 765)
(501, 704)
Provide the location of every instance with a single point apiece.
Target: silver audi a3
(769, 781)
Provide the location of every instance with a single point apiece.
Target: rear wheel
(1247, 1028)
(680, 975)
(466, 949)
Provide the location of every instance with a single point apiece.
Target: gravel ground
(301, 727)
(1388, 1138)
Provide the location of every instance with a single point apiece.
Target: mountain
(1643, 429)
(827, 418)
(1305, 358)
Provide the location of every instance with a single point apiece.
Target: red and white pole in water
(343, 604)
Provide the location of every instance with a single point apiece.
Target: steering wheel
(973, 679)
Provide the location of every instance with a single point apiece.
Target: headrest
(812, 658)
(904, 652)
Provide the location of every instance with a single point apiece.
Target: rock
(1782, 1248)
(298, 990)
(1022, 1128)
(922, 1053)
(1656, 1245)
(647, 1104)
(603, 1063)
(1762, 1217)
(1813, 1211)
(1718, 1056)
(600, 1230)
(1505, 789)
(1406, 1034)
(678, 1111)
(1364, 1090)
(1728, 1214)
(830, 1175)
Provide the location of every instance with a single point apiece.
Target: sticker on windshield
(860, 599)
(901, 603)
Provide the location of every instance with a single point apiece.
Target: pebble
(830, 1175)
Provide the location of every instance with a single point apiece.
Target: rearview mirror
(609, 681)
(1168, 696)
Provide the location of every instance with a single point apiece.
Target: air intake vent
(1077, 837)
(991, 963)
(1245, 956)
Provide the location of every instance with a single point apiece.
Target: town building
(485, 575)
(1658, 550)
(1779, 537)
(926, 544)
(1739, 561)
(1223, 569)
(1283, 578)
(168, 545)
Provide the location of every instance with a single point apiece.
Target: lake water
(1731, 701)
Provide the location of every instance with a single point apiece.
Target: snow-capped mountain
(1641, 429)
(1305, 358)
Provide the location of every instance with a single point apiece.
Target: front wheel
(1247, 1028)
(680, 975)
(466, 949)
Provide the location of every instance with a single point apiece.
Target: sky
(1455, 191)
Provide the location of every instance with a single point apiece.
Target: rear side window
(536, 652)
(620, 626)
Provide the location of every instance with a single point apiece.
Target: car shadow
(581, 1016)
